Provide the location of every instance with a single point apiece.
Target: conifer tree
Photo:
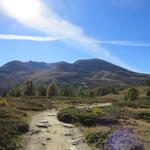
(52, 90)
(18, 91)
(133, 94)
(148, 92)
(42, 90)
(29, 89)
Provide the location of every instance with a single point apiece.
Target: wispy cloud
(28, 38)
(126, 43)
(55, 38)
(34, 14)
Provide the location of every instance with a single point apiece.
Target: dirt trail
(94, 105)
(47, 133)
(57, 136)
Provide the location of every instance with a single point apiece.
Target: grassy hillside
(95, 123)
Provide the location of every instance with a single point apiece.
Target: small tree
(148, 92)
(11, 93)
(102, 92)
(133, 94)
(67, 91)
(42, 90)
(18, 91)
(5, 94)
(91, 94)
(147, 82)
(29, 89)
(52, 90)
(81, 92)
(112, 90)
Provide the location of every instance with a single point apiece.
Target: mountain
(88, 73)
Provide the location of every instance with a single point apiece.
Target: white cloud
(126, 43)
(28, 38)
(55, 38)
(34, 14)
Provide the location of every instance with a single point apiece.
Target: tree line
(133, 94)
(29, 89)
(52, 90)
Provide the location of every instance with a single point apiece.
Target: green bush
(135, 104)
(11, 128)
(82, 116)
(147, 82)
(91, 117)
(148, 92)
(133, 94)
(3, 102)
(98, 138)
(143, 116)
(113, 114)
(52, 90)
(87, 119)
(93, 137)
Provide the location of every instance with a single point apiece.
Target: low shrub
(31, 103)
(92, 137)
(82, 116)
(143, 116)
(90, 117)
(99, 139)
(133, 94)
(3, 102)
(87, 119)
(95, 137)
(11, 128)
(135, 104)
(111, 115)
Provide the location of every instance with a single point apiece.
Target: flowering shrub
(123, 140)
(3, 102)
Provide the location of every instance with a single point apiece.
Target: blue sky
(66, 30)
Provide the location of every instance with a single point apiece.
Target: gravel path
(47, 133)
(93, 105)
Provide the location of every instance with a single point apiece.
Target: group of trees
(147, 82)
(148, 92)
(133, 94)
(29, 89)
(101, 91)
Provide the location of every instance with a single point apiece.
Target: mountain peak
(89, 72)
(14, 62)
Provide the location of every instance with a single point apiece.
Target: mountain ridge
(84, 72)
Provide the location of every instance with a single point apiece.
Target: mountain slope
(92, 72)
